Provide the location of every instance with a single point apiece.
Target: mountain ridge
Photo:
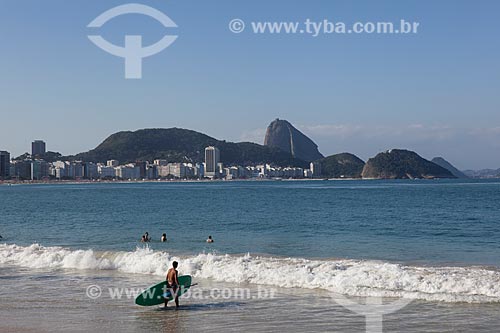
(178, 144)
(184, 145)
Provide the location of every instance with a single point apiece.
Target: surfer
(164, 237)
(210, 239)
(173, 283)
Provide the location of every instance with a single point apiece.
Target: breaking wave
(348, 277)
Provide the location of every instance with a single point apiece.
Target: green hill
(403, 164)
(344, 165)
(177, 144)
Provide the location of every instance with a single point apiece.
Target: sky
(435, 92)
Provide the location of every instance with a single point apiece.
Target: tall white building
(315, 169)
(212, 158)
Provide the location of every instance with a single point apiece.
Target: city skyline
(44, 165)
(433, 92)
(40, 147)
(35, 168)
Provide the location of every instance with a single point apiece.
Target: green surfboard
(154, 295)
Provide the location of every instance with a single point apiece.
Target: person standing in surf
(173, 283)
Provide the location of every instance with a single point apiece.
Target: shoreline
(156, 181)
(87, 181)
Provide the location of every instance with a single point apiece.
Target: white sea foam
(349, 277)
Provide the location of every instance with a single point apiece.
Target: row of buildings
(35, 168)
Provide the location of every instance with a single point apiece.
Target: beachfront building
(105, 171)
(112, 163)
(315, 169)
(90, 170)
(142, 165)
(262, 171)
(78, 169)
(176, 170)
(163, 171)
(293, 172)
(62, 170)
(39, 170)
(38, 147)
(151, 171)
(21, 170)
(199, 170)
(212, 158)
(234, 172)
(129, 171)
(4, 164)
(252, 172)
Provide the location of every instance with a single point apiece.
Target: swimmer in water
(210, 239)
(145, 238)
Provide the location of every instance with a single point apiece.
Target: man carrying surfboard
(173, 283)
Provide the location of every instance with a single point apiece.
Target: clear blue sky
(436, 92)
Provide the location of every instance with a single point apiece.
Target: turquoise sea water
(433, 243)
(445, 221)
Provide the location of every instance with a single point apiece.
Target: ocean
(287, 255)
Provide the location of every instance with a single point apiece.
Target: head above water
(175, 264)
